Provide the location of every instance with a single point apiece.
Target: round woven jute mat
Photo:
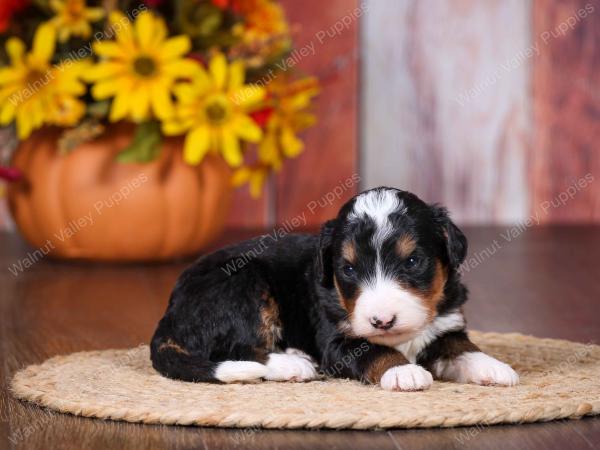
(559, 379)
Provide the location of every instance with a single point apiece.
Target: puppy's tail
(174, 363)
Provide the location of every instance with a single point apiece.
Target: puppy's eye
(348, 270)
(412, 261)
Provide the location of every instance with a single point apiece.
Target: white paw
(478, 368)
(409, 377)
(297, 352)
(290, 366)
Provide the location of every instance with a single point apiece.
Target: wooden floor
(544, 282)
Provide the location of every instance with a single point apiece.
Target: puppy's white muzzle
(384, 307)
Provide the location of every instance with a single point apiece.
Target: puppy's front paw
(478, 368)
(290, 366)
(409, 377)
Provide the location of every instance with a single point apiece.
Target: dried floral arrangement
(208, 70)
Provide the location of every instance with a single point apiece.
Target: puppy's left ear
(324, 260)
(456, 242)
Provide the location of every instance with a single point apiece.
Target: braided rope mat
(559, 379)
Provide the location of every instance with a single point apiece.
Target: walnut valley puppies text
(295, 223)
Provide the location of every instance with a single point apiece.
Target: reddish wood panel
(4, 214)
(248, 212)
(565, 160)
(312, 187)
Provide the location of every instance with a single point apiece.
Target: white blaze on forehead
(378, 205)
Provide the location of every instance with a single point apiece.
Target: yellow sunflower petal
(247, 96)
(120, 106)
(162, 105)
(175, 126)
(182, 68)
(15, 49)
(140, 103)
(120, 25)
(218, 70)
(57, 5)
(24, 124)
(44, 43)
(231, 148)
(196, 145)
(9, 75)
(246, 128)
(105, 70)
(201, 80)
(63, 34)
(236, 75)
(109, 49)
(105, 89)
(160, 31)
(94, 14)
(268, 151)
(7, 114)
(184, 91)
(175, 47)
(290, 144)
(144, 29)
(241, 176)
(257, 182)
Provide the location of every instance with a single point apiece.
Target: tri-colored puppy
(375, 297)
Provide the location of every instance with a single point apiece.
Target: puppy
(375, 297)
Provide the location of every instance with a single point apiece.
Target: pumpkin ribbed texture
(89, 206)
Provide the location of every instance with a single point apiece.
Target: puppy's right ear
(324, 261)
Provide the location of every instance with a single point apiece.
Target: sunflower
(213, 110)
(290, 115)
(140, 68)
(283, 117)
(34, 92)
(73, 18)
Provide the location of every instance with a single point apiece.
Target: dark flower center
(216, 112)
(144, 66)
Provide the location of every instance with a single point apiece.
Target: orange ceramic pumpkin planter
(86, 205)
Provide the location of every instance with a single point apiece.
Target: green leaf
(99, 109)
(145, 146)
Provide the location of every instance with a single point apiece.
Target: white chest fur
(452, 321)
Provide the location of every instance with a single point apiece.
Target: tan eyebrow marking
(349, 251)
(405, 246)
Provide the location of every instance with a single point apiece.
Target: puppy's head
(389, 255)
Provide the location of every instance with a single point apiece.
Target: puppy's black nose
(382, 325)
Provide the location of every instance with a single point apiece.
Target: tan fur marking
(405, 246)
(432, 297)
(382, 363)
(173, 346)
(347, 303)
(270, 327)
(349, 251)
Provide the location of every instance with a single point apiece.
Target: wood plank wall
(442, 116)
(488, 107)
(322, 179)
(566, 108)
